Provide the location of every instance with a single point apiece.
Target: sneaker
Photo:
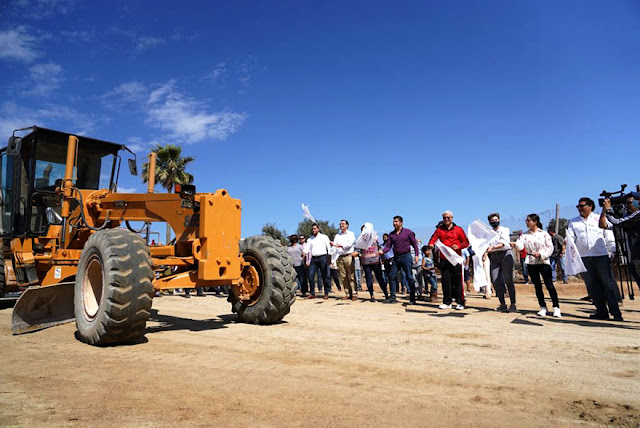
(512, 308)
(556, 313)
(526, 283)
(443, 306)
(618, 318)
(502, 308)
(542, 312)
(460, 308)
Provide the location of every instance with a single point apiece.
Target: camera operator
(630, 224)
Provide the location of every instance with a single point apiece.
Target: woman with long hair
(539, 248)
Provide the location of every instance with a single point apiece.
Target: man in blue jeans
(402, 240)
(557, 257)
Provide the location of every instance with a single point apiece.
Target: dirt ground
(333, 363)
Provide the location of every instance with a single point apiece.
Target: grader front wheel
(113, 288)
(268, 288)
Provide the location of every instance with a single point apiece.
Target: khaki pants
(347, 272)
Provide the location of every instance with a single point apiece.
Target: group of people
(398, 256)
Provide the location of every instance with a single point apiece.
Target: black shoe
(393, 300)
(586, 299)
(599, 317)
(618, 318)
(502, 308)
(512, 308)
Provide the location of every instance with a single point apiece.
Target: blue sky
(361, 110)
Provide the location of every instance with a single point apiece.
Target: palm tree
(170, 170)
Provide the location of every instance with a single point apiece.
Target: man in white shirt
(343, 246)
(296, 256)
(319, 249)
(591, 243)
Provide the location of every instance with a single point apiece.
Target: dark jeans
(369, 270)
(391, 280)
(404, 262)
(319, 264)
(634, 273)
(335, 275)
(501, 265)
(535, 271)
(525, 272)
(600, 285)
(302, 278)
(451, 283)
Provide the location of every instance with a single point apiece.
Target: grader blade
(42, 307)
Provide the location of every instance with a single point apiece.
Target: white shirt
(589, 238)
(502, 238)
(538, 242)
(319, 245)
(295, 254)
(346, 241)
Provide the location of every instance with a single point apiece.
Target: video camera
(617, 199)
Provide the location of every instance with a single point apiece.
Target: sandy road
(333, 363)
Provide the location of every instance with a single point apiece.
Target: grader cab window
(6, 186)
(93, 171)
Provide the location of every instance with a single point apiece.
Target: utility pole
(557, 218)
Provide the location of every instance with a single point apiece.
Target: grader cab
(68, 245)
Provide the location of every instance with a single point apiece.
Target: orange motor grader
(70, 250)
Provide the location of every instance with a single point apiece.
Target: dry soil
(333, 363)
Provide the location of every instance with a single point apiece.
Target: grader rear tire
(276, 292)
(113, 290)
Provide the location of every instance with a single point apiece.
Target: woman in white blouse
(539, 247)
(501, 264)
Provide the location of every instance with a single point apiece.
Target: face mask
(494, 223)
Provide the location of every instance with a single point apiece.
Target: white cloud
(127, 189)
(217, 73)
(125, 94)
(246, 68)
(136, 145)
(186, 119)
(18, 45)
(38, 9)
(146, 42)
(44, 79)
(13, 116)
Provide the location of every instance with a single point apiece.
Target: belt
(401, 254)
(344, 255)
(321, 255)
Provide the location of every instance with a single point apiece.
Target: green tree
(304, 228)
(562, 226)
(170, 170)
(270, 229)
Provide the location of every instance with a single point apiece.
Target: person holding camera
(591, 243)
(631, 227)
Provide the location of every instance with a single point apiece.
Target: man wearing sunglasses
(453, 237)
(631, 227)
(591, 243)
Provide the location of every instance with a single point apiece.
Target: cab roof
(54, 136)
